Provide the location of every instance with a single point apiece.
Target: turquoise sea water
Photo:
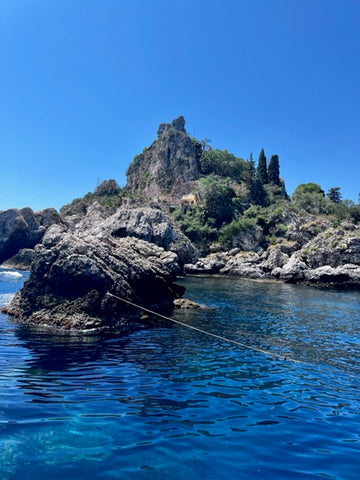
(167, 402)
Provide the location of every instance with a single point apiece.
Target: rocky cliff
(168, 167)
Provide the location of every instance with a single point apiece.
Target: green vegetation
(223, 164)
(196, 227)
(310, 198)
(217, 200)
(231, 230)
(232, 197)
(274, 170)
(261, 172)
(108, 194)
(334, 194)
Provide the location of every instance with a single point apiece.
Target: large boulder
(76, 268)
(348, 275)
(331, 257)
(292, 271)
(151, 225)
(244, 264)
(23, 228)
(252, 239)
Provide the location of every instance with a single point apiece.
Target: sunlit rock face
(168, 167)
(135, 255)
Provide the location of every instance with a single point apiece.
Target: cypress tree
(252, 169)
(274, 170)
(261, 172)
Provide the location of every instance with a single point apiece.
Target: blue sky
(85, 83)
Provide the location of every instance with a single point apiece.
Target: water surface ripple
(167, 402)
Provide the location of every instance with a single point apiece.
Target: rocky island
(186, 209)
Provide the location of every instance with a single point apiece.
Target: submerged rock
(186, 304)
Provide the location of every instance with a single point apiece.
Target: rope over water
(205, 332)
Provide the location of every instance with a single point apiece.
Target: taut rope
(214, 335)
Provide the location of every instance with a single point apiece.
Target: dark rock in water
(22, 260)
(75, 268)
(23, 228)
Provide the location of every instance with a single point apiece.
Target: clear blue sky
(85, 83)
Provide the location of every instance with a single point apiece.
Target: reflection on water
(169, 402)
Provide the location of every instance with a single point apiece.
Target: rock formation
(128, 254)
(23, 228)
(331, 257)
(168, 167)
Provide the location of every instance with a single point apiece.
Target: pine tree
(261, 172)
(274, 170)
(334, 194)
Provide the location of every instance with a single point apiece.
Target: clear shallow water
(168, 402)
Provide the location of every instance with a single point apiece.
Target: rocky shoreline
(127, 242)
(331, 258)
(137, 254)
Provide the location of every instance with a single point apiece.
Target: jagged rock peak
(177, 124)
(166, 169)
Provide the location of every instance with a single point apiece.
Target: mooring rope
(205, 332)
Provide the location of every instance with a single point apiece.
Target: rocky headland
(186, 209)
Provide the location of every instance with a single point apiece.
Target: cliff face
(168, 167)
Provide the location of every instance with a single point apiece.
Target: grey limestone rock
(168, 168)
(334, 275)
(246, 264)
(293, 270)
(23, 228)
(275, 258)
(75, 268)
(252, 239)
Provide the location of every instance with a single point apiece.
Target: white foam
(5, 298)
(10, 273)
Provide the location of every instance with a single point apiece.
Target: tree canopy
(217, 199)
(222, 163)
(334, 194)
(311, 198)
